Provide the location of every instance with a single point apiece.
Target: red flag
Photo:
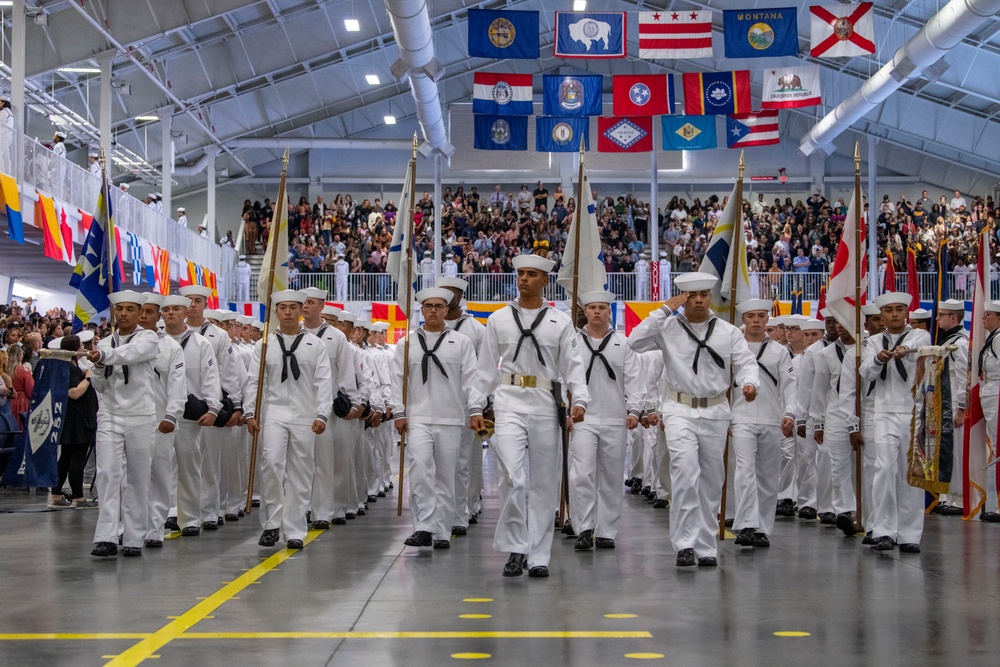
(394, 315)
(890, 273)
(625, 135)
(912, 282)
(978, 446)
(822, 302)
(843, 284)
(86, 220)
(642, 95)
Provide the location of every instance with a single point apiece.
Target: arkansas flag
(791, 87)
(643, 95)
(671, 35)
(625, 135)
(502, 94)
(842, 290)
(841, 31)
(752, 129)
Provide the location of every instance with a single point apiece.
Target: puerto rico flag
(752, 129)
(502, 94)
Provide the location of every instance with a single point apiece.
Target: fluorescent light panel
(147, 118)
(579, 5)
(389, 120)
(352, 25)
(81, 70)
(372, 79)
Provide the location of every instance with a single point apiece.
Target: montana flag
(555, 134)
(11, 199)
(590, 35)
(394, 315)
(725, 254)
(637, 311)
(643, 94)
(717, 93)
(277, 245)
(841, 31)
(401, 264)
(688, 133)
(34, 462)
(503, 34)
(591, 275)
(625, 135)
(842, 290)
(502, 94)
(752, 129)
(500, 133)
(761, 33)
(95, 266)
(673, 35)
(572, 94)
(791, 87)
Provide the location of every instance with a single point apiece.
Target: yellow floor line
(154, 642)
(178, 634)
(72, 636)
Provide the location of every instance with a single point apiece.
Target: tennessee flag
(394, 315)
(637, 311)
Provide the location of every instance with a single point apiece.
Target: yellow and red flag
(394, 315)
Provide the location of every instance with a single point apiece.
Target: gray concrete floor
(61, 606)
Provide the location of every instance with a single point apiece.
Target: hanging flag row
(835, 31)
(623, 134)
(718, 93)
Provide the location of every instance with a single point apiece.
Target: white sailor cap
(663, 253)
(696, 281)
(951, 304)
(154, 299)
(124, 186)
(536, 262)
(600, 296)
(92, 154)
(813, 325)
(332, 311)
(175, 300)
(890, 298)
(314, 293)
(225, 315)
(211, 314)
(85, 336)
(775, 321)
(434, 293)
(381, 327)
(456, 283)
(258, 325)
(244, 319)
(61, 135)
(347, 316)
(427, 252)
(127, 296)
(920, 314)
(195, 290)
(989, 307)
(181, 209)
(363, 323)
(286, 295)
(243, 256)
(794, 320)
(870, 309)
(754, 304)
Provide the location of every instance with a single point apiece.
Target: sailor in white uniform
(242, 280)
(951, 331)
(989, 389)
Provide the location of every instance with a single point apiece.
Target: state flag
(643, 95)
(502, 94)
(572, 94)
(672, 35)
(500, 133)
(688, 133)
(717, 93)
(841, 31)
(791, 87)
(590, 35)
(752, 129)
(503, 34)
(625, 135)
(761, 33)
(561, 134)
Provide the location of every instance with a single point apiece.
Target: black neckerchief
(528, 333)
(204, 328)
(840, 355)
(760, 353)
(899, 362)
(322, 330)
(987, 348)
(952, 336)
(703, 345)
(108, 370)
(459, 323)
(598, 354)
(429, 355)
(288, 356)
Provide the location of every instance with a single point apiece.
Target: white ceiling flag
(841, 31)
(791, 87)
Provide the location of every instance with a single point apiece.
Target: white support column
(439, 250)
(872, 219)
(104, 123)
(17, 44)
(212, 152)
(167, 166)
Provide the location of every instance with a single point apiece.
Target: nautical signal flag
(643, 95)
(503, 34)
(841, 31)
(688, 133)
(761, 33)
(572, 94)
(672, 35)
(561, 134)
(500, 133)
(625, 135)
(791, 87)
(57, 236)
(637, 311)
(11, 200)
(717, 93)
(752, 129)
(590, 35)
(481, 310)
(502, 94)
(394, 315)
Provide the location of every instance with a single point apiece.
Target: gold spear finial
(284, 160)
(414, 145)
(857, 156)
(742, 164)
(102, 158)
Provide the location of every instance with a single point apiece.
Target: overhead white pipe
(945, 30)
(195, 167)
(300, 143)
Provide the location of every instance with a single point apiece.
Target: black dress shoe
(786, 507)
(131, 552)
(391, 486)
(828, 519)
(636, 486)
(153, 544)
(255, 502)
(745, 537)
(381, 494)
(646, 491)
(361, 512)
(190, 531)
(459, 531)
(241, 514)
(221, 521)
(585, 541)
(473, 520)
(421, 538)
(950, 510)
(232, 517)
(515, 565)
(366, 505)
(990, 517)
(339, 521)
(845, 522)
(210, 525)
(628, 482)
(659, 504)
(708, 561)
(567, 529)
(604, 543)
(320, 525)
(807, 513)
(883, 544)
(761, 540)
(268, 538)
(171, 524)
(372, 499)
(294, 544)
(105, 550)
(869, 540)
(442, 544)
(121, 538)
(729, 523)
(685, 558)
(909, 548)
(350, 516)
(538, 571)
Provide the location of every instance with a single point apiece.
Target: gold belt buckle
(527, 381)
(700, 402)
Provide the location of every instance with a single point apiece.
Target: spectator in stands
(79, 432)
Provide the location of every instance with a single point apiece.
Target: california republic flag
(791, 87)
(841, 31)
(840, 295)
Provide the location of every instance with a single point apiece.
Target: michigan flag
(725, 255)
(278, 246)
(400, 265)
(95, 267)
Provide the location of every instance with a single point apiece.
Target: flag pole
(858, 461)
(408, 312)
(273, 240)
(109, 233)
(737, 242)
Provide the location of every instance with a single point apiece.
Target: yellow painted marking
(792, 633)
(107, 657)
(471, 656)
(619, 616)
(172, 535)
(151, 644)
(72, 636)
(644, 656)
(478, 600)
(730, 536)
(173, 616)
(499, 634)
(475, 616)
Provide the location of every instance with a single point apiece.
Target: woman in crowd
(23, 382)
(79, 432)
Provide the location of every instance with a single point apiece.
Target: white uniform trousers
(358, 492)
(211, 472)
(189, 454)
(649, 467)
(824, 478)
(286, 477)
(637, 447)
(343, 466)
(837, 444)
(868, 474)
(954, 495)
(124, 451)
(529, 444)
(243, 441)
(324, 465)
(432, 452)
(787, 482)
(162, 471)
(696, 476)
(374, 469)
(663, 471)
(385, 442)
(757, 449)
(340, 283)
(463, 478)
(899, 507)
(232, 485)
(475, 497)
(729, 465)
(989, 404)
(242, 290)
(596, 467)
(805, 469)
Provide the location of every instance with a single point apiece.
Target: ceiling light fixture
(81, 70)
(352, 25)
(147, 118)
(389, 120)
(579, 5)
(372, 79)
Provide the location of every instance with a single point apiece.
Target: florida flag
(752, 129)
(502, 94)
(841, 31)
(842, 291)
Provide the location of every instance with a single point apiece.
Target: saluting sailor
(528, 352)
(295, 406)
(702, 355)
(597, 446)
(951, 331)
